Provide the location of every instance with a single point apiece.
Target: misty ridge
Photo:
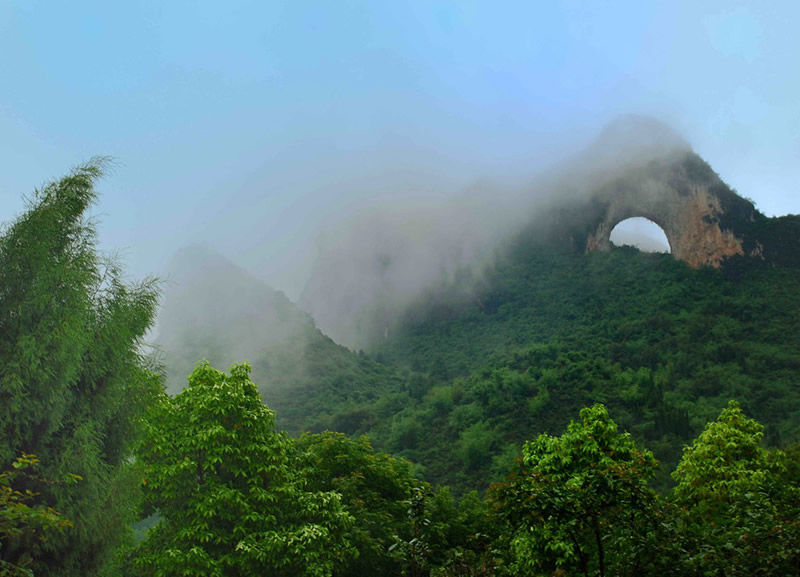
(216, 308)
(373, 263)
(370, 267)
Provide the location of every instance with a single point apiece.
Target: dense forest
(549, 413)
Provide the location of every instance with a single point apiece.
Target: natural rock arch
(688, 209)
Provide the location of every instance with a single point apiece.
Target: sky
(253, 125)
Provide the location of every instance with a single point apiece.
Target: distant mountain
(471, 352)
(371, 269)
(639, 167)
(216, 310)
(501, 352)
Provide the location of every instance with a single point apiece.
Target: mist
(282, 134)
(382, 243)
(373, 258)
(252, 127)
(371, 265)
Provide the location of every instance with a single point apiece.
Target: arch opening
(641, 233)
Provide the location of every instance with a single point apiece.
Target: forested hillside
(504, 350)
(552, 412)
(663, 345)
(515, 347)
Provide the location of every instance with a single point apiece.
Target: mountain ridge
(491, 355)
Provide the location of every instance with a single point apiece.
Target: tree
(459, 535)
(402, 526)
(229, 491)
(375, 488)
(72, 374)
(580, 503)
(18, 518)
(742, 509)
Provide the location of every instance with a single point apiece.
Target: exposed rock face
(689, 213)
(639, 167)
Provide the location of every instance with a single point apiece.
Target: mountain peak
(637, 137)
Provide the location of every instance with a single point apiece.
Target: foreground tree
(228, 489)
(741, 502)
(402, 526)
(580, 504)
(21, 515)
(72, 377)
(375, 489)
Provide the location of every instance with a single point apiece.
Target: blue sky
(249, 124)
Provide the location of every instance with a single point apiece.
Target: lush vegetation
(546, 332)
(580, 505)
(542, 332)
(73, 381)
(471, 464)
(228, 490)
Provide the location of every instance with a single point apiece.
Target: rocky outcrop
(691, 222)
(639, 167)
(699, 214)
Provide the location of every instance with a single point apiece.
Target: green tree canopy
(742, 509)
(19, 518)
(228, 489)
(402, 526)
(374, 487)
(580, 502)
(72, 382)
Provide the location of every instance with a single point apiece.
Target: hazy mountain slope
(215, 310)
(664, 345)
(495, 347)
(371, 268)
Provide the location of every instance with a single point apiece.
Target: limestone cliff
(705, 221)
